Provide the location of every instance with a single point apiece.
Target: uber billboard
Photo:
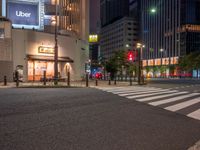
(23, 14)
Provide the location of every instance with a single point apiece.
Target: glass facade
(174, 27)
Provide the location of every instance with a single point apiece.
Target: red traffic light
(130, 56)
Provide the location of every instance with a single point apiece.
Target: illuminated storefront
(160, 67)
(37, 65)
(36, 54)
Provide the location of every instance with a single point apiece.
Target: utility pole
(56, 49)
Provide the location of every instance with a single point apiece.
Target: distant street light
(153, 10)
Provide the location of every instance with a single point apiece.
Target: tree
(189, 62)
(119, 62)
(162, 70)
(148, 68)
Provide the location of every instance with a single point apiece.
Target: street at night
(88, 119)
(99, 74)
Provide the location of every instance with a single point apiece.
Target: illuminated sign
(23, 13)
(93, 38)
(46, 50)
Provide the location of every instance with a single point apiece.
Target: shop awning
(49, 58)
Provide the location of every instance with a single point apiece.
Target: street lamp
(153, 10)
(140, 63)
(56, 48)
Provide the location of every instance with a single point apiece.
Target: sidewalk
(92, 83)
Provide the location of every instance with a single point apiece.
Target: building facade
(6, 53)
(119, 26)
(170, 31)
(120, 35)
(112, 10)
(35, 22)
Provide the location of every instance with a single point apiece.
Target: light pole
(161, 51)
(150, 11)
(140, 63)
(56, 49)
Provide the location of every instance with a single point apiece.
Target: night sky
(94, 15)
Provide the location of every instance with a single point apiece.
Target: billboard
(93, 38)
(23, 13)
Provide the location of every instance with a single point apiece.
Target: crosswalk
(183, 102)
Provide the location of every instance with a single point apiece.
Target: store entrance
(36, 70)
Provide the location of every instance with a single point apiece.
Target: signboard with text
(46, 50)
(23, 13)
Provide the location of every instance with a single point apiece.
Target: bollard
(5, 80)
(45, 78)
(68, 78)
(87, 76)
(109, 82)
(115, 82)
(17, 78)
(131, 83)
(96, 82)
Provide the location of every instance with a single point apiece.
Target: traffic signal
(130, 56)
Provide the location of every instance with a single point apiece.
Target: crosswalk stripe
(183, 105)
(140, 92)
(148, 94)
(134, 88)
(173, 99)
(137, 90)
(152, 94)
(195, 114)
(160, 96)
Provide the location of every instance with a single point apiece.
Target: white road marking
(136, 90)
(144, 95)
(173, 99)
(195, 114)
(142, 92)
(173, 93)
(183, 104)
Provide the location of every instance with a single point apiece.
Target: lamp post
(161, 51)
(56, 49)
(140, 63)
(151, 11)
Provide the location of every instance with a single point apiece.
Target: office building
(112, 10)
(119, 26)
(169, 29)
(120, 35)
(94, 30)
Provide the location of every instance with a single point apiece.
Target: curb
(195, 147)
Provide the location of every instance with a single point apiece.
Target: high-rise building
(169, 29)
(112, 10)
(118, 36)
(94, 31)
(72, 16)
(119, 26)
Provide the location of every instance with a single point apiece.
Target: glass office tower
(169, 29)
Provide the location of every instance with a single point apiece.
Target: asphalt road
(191, 85)
(88, 119)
